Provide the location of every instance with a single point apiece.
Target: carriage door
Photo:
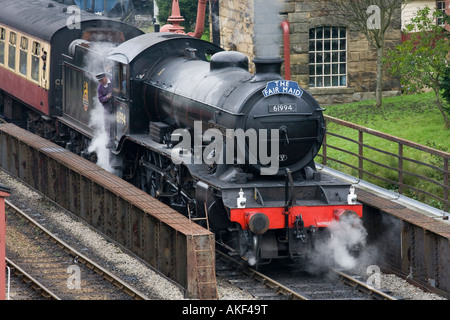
(121, 100)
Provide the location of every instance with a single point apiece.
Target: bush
(445, 87)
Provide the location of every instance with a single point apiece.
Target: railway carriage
(34, 35)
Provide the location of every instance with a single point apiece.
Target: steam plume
(337, 250)
(101, 136)
(95, 61)
(267, 29)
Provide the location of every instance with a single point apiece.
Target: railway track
(276, 292)
(256, 283)
(55, 269)
(285, 283)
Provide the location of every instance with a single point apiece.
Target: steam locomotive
(190, 125)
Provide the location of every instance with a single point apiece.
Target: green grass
(414, 118)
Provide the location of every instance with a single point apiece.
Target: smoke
(95, 61)
(101, 137)
(267, 30)
(346, 238)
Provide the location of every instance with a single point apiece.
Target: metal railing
(412, 169)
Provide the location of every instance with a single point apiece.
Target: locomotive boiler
(282, 124)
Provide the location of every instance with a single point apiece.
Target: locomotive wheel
(154, 183)
(150, 182)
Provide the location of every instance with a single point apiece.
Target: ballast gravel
(95, 246)
(132, 269)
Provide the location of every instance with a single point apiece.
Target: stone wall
(236, 26)
(237, 33)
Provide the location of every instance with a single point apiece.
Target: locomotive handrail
(387, 136)
(290, 114)
(439, 179)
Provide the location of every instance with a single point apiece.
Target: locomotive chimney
(267, 69)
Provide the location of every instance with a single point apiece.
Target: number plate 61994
(283, 108)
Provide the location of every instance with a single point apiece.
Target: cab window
(123, 82)
(120, 78)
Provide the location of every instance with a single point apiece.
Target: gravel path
(402, 288)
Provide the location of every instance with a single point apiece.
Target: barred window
(327, 57)
(440, 5)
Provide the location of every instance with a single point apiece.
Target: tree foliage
(421, 61)
(445, 87)
(372, 18)
(445, 82)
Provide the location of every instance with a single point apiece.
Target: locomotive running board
(76, 125)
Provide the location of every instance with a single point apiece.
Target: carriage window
(23, 55)
(35, 61)
(2, 45)
(12, 51)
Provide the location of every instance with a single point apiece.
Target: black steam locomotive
(194, 128)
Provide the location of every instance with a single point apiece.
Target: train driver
(104, 93)
(104, 90)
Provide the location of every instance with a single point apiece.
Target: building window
(327, 57)
(23, 57)
(440, 5)
(36, 49)
(12, 51)
(2, 45)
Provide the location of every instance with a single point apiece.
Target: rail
(35, 284)
(154, 232)
(280, 289)
(75, 254)
(414, 170)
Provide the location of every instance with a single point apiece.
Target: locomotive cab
(121, 101)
